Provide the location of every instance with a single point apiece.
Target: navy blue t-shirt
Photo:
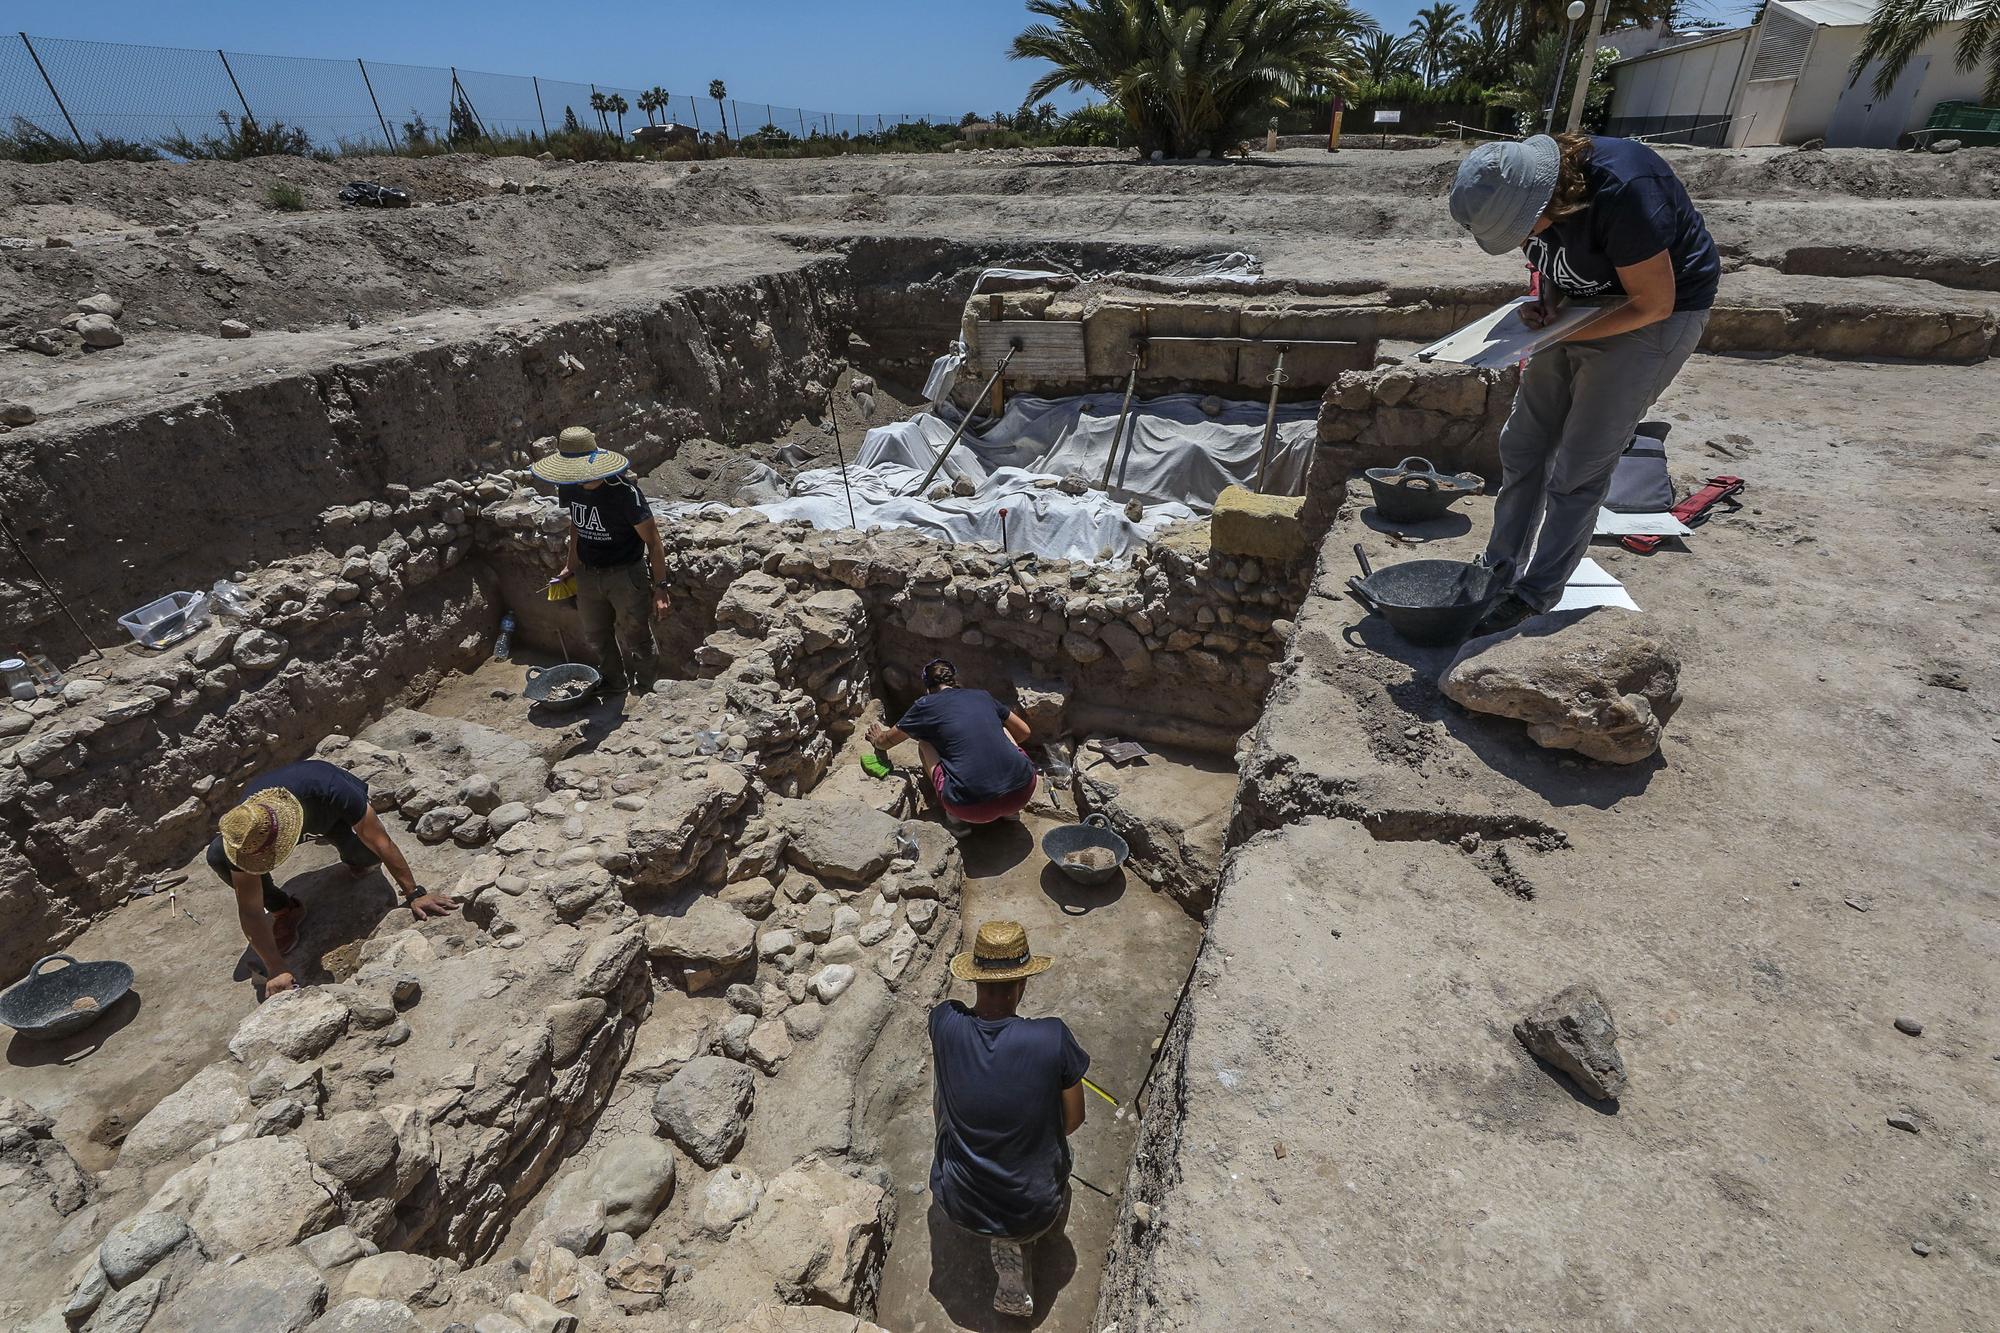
(1638, 207)
(607, 520)
(332, 798)
(1002, 1159)
(968, 730)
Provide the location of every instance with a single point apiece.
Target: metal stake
(1124, 415)
(29, 561)
(538, 106)
(965, 421)
(367, 83)
(40, 68)
(833, 421)
(1278, 379)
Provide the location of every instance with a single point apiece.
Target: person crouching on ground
(971, 747)
(1597, 218)
(615, 556)
(310, 799)
(1009, 1093)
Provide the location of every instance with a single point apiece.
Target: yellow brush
(562, 590)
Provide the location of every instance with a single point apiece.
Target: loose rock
(1573, 1031)
(705, 1108)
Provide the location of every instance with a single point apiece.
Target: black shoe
(610, 687)
(1508, 612)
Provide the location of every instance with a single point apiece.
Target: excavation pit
(1397, 879)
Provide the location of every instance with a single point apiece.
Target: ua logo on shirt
(1556, 264)
(589, 526)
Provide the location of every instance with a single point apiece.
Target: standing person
(615, 556)
(312, 799)
(971, 747)
(1597, 218)
(1009, 1093)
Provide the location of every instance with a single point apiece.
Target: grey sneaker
(1010, 1268)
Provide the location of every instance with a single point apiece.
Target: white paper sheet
(1500, 338)
(1593, 585)
(1590, 574)
(1663, 524)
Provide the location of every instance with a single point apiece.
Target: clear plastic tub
(167, 621)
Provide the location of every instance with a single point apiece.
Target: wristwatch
(663, 583)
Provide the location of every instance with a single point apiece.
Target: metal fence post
(248, 114)
(538, 105)
(53, 93)
(696, 112)
(367, 83)
(739, 118)
(459, 94)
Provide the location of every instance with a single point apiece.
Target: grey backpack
(1640, 484)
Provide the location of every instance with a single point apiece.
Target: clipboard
(1500, 338)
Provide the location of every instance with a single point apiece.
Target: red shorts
(1000, 807)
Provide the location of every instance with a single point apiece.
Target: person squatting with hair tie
(1596, 218)
(971, 747)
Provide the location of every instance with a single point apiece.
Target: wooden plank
(1051, 349)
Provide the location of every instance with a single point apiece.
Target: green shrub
(28, 142)
(240, 139)
(285, 197)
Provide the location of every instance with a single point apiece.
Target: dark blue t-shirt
(1638, 208)
(332, 798)
(968, 730)
(607, 520)
(1002, 1159)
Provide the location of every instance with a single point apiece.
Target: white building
(1786, 80)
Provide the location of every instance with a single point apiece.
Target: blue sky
(915, 56)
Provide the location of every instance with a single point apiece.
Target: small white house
(1786, 80)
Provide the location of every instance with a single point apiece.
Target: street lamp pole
(1573, 13)
(1586, 60)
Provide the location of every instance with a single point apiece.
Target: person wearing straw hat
(1009, 1093)
(1597, 218)
(313, 799)
(615, 556)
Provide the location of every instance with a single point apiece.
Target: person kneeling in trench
(971, 747)
(1009, 1093)
(615, 554)
(309, 799)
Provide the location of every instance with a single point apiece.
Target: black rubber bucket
(1428, 602)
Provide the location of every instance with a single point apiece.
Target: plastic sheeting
(1175, 451)
(1178, 460)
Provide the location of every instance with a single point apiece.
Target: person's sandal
(285, 925)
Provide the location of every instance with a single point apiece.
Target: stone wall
(1448, 414)
(124, 773)
(1175, 647)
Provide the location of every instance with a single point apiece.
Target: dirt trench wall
(121, 512)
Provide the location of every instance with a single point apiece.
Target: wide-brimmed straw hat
(1502, 189)
(577, 459)
(260, 833)
(999, 953)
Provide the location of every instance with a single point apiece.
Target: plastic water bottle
(505, 648)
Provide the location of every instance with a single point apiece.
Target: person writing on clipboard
(1598, 219)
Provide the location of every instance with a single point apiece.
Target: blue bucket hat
(1502, 189)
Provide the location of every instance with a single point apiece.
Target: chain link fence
(90, 92)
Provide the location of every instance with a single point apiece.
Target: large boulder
(137, 1244)
(264, 1194)
(838, 841)
(270, 1293)
(297, 1024)
(705, 942)
(353, 1147)
(1600, 681)
(819, 1233)
(363, 1315)
(214, 1097)
(631, 1175)
(705, 1108)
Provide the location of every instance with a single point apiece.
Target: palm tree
(1436, 29)
(1192, 74)
(600, 104)
(718, 91)
(1900, 27)
(618, 106)
(653, 99)
(1385, 56)
(1481, 56)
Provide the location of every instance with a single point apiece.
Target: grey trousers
(1577, 407)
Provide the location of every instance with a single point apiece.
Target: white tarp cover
(1177, 461)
